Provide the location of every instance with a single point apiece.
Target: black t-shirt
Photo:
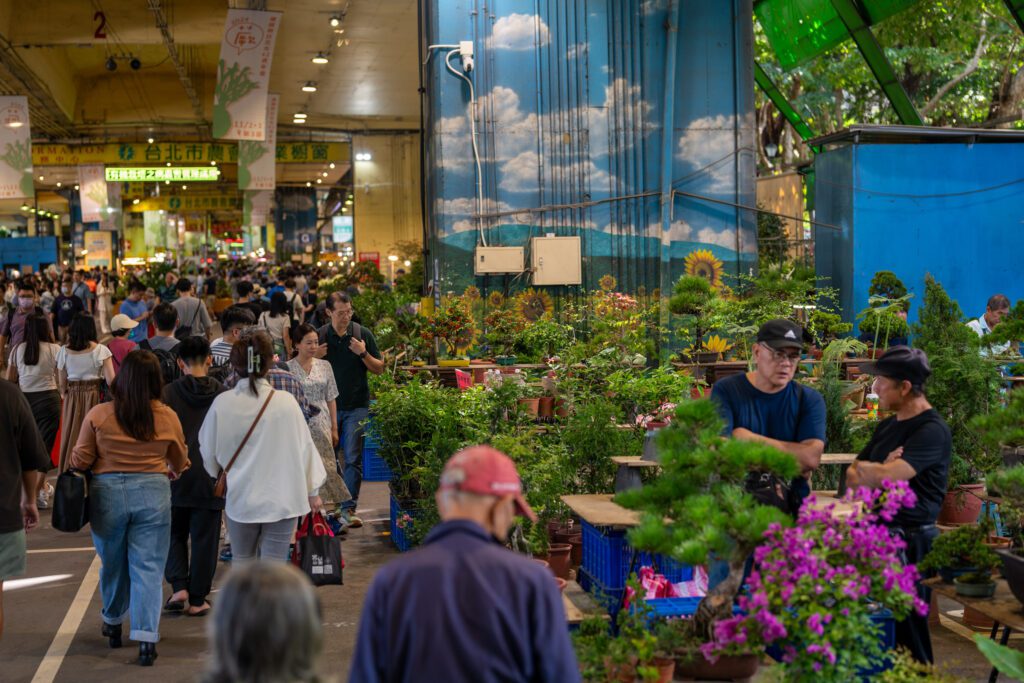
(927, 447)
(65, 307)
(21, 450)
(253, 306)
(210, 286)
(349, 369)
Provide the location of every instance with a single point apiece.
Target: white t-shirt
(277, 327)
(980, 327)
(83, 365)
(41, 376)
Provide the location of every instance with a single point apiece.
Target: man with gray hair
(996, 309)
(463, 608)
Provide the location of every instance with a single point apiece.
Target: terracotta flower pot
(726, 668)
(530, 405)
(561, 409)
(996, 542)
(666, 669)
(963, 505)
(479, 375)
(576, 554)
(546, 407)
(559, 559)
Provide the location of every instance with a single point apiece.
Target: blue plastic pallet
(374, 466)
(607, 558)
(398, 536)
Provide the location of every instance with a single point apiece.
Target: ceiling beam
(183, 75)
(46, 114)
(782, 104)
(849, 12)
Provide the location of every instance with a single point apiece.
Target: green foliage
(1004, 426)
(1010, 484)
(701, 490)
(886, 285)
(963, 384)
(825, 326)
(906, 669)
(411, 284)
(771, 238)
(691, 295)
(838, 425)
(503, 327)
(641, 392)
(1011, 329)
(961, 548)
(591, 438)
(544, 339)
(883, 324)
(1008, 660)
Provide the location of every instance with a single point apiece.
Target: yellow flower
(533, 305)
(607, 283)
(472, 293)
(716, 343)
(495, 299)
(703, 263)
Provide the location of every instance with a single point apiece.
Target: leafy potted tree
(963, 385)
(1011, 485)
(701, 490)
(961, 555)
(693, 296)
(502, 328)
(1003, 430)
(881, 322)
(453, 326)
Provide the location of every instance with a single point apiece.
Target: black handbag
(318, 552)
(71, 501)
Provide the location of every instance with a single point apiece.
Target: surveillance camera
(135, 64)
(111, 64)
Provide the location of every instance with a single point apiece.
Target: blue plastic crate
(374, 466)
(398, 535)
(608, 598)
(607, 558)
(887, 634)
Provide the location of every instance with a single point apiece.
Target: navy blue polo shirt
(795, 414)
(463, 609)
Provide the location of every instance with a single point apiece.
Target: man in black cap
(915, 446)
(766, 405)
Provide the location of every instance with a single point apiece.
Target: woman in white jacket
(277, 474)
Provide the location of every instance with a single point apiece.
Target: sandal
(174, 605)
(203, 611)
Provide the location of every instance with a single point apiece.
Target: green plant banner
(256, 207)
(243, 75)
(256, 158)
(92, 183)
(15, 149)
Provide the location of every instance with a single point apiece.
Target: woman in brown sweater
(132, 445)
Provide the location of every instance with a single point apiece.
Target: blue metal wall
(38, 252)
(571, 99)
(952, 210)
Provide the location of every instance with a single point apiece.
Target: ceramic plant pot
(531, 406)
(727, 668)
(975, 590)
(546, 407)
(949, 575)
(963, 505)
(561, 408)
(1013, 571)
(559, 559)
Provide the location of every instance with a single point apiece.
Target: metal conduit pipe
(172, 52)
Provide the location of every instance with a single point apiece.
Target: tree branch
(970, 68)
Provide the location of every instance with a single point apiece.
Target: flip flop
(174, 605)
(200, 613)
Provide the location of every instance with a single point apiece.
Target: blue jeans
(350, 451)
(130, 516)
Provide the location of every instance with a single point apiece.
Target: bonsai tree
(451, 325)
(701, 490)
(882, 323)
(963, 385)
(886, 285)
(1003, 429)
(503, 326)
(962, 548)
(695, 297)
(826, 327)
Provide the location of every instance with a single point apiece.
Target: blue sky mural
(569, 109)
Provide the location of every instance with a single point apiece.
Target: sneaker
(44, 497)
(225, 554)
(352, 521)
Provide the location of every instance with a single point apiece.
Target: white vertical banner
(243, 74)
(92, 190)
(256, 159)
(256, 207)
(112, 216)
(16, 179)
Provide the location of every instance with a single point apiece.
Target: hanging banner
(16, 179)
(156, 230)
(256, 207)
(93, 193)
(256, 158)
(112, 218)
(99, 248)
(243, 75)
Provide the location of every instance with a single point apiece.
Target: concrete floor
(44, 641)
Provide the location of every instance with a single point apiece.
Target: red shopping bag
(55, 450)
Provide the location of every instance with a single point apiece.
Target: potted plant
(453, 326)
(818, 588)
(1011, 485)
(693, 296)
(1003, 430)
(701, 490)
(502, 328)
(882, 321)
(826, 327)
(885, 284)
(960, 553)
(529, 400)
(963, 385)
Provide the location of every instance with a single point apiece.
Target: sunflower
(465, 340)
(703, 263)
(533, 305)
(495, 299)
(716, 343)
(607, 283)
(472, 293)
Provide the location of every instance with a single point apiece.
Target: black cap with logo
(901, 363)
(782, 334)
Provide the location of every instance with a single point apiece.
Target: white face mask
(66, 290)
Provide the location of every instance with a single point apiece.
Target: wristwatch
(363, 354)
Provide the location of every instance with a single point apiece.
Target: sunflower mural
(533, 305)
(704, 264)
(607, 282)
(716, 343)
(495, 299)
(472, 293)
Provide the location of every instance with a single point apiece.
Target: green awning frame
(1016, 8)
(782, 104)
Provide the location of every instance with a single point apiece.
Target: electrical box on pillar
(494, 260)
(556, 261)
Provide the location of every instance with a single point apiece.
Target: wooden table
(838, 458)
(627, 476)
(1002, 608)
(579, 605)
(600, 510)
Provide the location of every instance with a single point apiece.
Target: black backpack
(168, 361)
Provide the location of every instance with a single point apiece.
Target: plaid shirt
(282, 380)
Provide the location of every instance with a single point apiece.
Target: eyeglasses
(780, 357)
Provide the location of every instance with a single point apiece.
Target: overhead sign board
(175, 174)
(182, 153)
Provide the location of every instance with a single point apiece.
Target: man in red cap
(462, 607)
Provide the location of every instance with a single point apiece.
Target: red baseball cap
(487, 471)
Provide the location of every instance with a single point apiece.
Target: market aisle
(42, 603)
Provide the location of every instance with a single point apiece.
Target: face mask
(25, 301)
(65, 290)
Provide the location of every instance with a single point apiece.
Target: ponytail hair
(252, 356)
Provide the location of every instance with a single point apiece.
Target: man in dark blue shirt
(462, 608)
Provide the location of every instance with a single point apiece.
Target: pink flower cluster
(664, 413)
(823, 569)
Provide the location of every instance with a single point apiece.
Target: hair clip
(250, 361)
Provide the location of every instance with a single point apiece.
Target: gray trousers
(267, 541)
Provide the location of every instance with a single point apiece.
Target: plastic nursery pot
(975, 590)
(546, 407)
(1013, 572)
(726, 668)
(530, 405)
(505, 360)
(707, 357)
(962, 505)
(559, 559)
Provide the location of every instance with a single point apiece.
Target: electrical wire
(939, 195)
(476, 152)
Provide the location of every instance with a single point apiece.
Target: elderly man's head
(997, 308)
(480, 484)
